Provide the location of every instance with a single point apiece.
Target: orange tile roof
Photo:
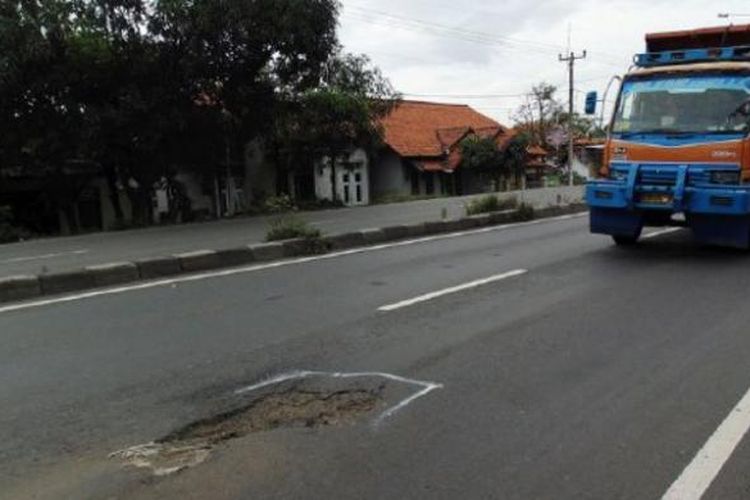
(536, 150)
(428, 129)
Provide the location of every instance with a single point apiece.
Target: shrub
(311, 205)
(286, 228)
(9, 232)
(279, 204)
(524, 212)
(488, 203)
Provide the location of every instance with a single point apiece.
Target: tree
(515, 155)
(538, 113)
(343, 113)
(480, 153)
(541, 113)
(137, 86)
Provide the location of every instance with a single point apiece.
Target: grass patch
(289, 227)
(489, 203)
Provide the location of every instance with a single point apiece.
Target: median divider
(16, 288)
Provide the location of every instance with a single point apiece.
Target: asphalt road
(591, 372)
(74, 252)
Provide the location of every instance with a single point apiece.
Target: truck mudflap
(717, 214)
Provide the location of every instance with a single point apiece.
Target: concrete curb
(114, 274)
(19, 288)
(15, 288)
(158, 267)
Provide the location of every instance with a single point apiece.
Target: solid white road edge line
(453, 289)
(700, 473)
(261, 267)
(426, 387)
(662, 232)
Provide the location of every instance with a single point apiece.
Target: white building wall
(352, 183)
(389, 176)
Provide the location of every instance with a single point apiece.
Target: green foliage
(481, 153)
(341, 114)
(9, 232)
(524, 212)
(487, 204)
(137, 86)
(278, 204)
(515, 155)
(288, 227)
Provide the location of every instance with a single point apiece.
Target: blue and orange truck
(678, 151)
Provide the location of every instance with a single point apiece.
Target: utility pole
(571, 60)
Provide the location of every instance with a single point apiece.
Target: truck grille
(666, 175)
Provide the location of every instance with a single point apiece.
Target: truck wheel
(625, 241)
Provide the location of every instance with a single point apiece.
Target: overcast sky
(438, 50)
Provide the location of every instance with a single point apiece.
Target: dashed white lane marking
(662, 232)
(261, 267)
(453, 289)
(701, 472)
(29, 258)
(426, 387)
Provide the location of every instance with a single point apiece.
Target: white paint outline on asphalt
(145, 455)
(662, 232)
(706, 465)
(427, 387)
(15, 260)
(272, 265)
(451, 290)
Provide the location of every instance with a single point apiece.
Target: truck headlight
(725, 177)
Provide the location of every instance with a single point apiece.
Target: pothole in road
(297, 399)
(192, 444)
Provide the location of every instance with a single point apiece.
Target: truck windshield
(684, 105)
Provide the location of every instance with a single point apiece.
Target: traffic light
(591, 100)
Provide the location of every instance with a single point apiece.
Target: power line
(391, 20)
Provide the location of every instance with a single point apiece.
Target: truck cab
(678, 141)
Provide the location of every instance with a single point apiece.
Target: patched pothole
(291, 408)
(296, 399)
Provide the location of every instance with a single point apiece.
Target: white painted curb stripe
(282, 263)
(453, 289)
(700, 473)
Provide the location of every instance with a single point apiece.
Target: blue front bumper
(718, 214)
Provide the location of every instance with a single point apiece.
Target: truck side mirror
(591, 100)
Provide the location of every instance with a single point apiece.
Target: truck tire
(625, 241)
